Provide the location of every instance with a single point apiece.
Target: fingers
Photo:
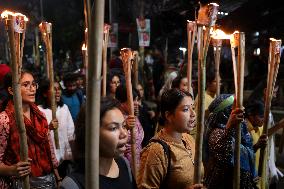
(23, 168)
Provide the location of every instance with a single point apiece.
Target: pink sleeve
(4, 133)
(53, 157)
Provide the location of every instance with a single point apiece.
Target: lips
(122, 147)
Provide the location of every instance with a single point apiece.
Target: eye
(113, 127)
(186, 109)
(25, 85)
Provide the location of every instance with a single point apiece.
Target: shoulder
(188, 139)
(153, 153)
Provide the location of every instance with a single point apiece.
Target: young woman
(42, 162)
(113, 83)
(121, 96)
(219, 146)
(63, 122)
(113, 169)
(177, 118)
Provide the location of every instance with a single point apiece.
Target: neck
(26, 108)
(108, 167)
(212, 94)
(171, 132)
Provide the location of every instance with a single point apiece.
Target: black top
(122, 181)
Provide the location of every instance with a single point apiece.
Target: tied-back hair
(169, 102)
(7, 82)
(121, 93)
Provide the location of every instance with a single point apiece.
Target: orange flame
(6, 14)
(219, 34)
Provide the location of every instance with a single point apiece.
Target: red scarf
(37, 137)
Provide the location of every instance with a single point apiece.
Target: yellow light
(6, 14)
(84, 47)
(219, 34)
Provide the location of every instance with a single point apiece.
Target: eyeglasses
(27, 85)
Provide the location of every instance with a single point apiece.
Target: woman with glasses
(112, 84)
(42, 163)
(63, 122)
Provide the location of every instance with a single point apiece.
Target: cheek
(108, 142)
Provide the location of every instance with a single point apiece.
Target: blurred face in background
(114, 83)
(71, 87)
(140, 90)
(183, 84)
(57, 92)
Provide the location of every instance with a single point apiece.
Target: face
(80, 82)
(212, 86)
(115, 82)
(71, 87)
(140, 90)
(113, 134)
(183, 84)
(28, 88)
(183, 118)
(256, 120)
(57, 91)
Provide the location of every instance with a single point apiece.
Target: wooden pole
(16, 46)
(217, 43)
(46, 31)
(136, 68)
(127, 58)
(105, 43)
(191, 33)
(238, 41)
(274, 60)
(207, 16)
(95, 33)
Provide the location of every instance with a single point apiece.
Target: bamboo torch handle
(274, 60)
(105, 43)
(17, 98)
(191, 33)
(127, 58)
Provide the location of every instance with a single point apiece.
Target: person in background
(112, 83)
(181, 83)
(219, 146)
(114, 170)
(63, 122)
(72, 96)
(42, 164)
(121, 96)
(146, 117)
(174, 169)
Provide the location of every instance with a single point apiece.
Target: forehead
(187, 100)
(27, 77)
(113, 115)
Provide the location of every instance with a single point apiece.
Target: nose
(192, 112)
(123, 133)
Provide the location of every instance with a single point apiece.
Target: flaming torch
(217, 38)
(238, 42)
(207, 17)
(15, 24)
(273, 61)
(46, 33)
(191, 33)
(105, 43)
(127, 59)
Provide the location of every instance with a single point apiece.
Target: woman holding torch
(42, 164)
(219, 144)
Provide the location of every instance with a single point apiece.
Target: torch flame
(84, 47)
(6, 14)
(219, 34)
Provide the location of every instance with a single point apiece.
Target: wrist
(59, 179)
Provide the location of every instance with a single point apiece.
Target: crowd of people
(164, 132)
